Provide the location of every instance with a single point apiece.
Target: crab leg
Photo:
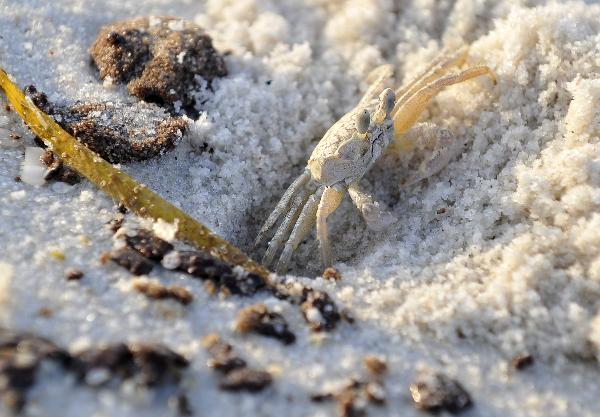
(407, 114)
(282, 206)
(376, 80)
(376, 218)
(330, 201)
(440, 66)
(303, 226)
(285, 227)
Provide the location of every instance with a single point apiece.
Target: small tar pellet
(157, 291)
(258, 319)
(131, 260)
(433, 391)
(73, 274)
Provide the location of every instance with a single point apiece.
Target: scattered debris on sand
(237, 375)
(258, 319)
(318, 308)
(150, 364)
(21, 355)
(142, 250)
(225, 278)
(161, 59)
(354, 398)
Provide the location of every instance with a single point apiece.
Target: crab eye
(363, 119)
(388, 100)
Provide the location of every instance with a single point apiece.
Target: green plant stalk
(120, 186)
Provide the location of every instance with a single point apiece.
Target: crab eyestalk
(387, 100)
(363, 120)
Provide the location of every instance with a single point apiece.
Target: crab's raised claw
(408, 113)
(436, 69)
(377, 81)
(330, 201)
(376, 218)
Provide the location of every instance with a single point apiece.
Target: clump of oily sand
(161, 59)
(117, 131)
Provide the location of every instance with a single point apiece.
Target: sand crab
(349, 149)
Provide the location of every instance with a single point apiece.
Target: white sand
(512, 266)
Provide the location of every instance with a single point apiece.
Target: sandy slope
(512, 265)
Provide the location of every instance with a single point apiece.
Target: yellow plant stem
(120, 186)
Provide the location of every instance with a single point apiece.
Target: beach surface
(495, 257)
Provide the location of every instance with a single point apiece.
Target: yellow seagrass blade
(120, 186)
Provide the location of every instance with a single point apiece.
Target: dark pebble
(202, 265)
(436, 392)
(158, 291)
(72, 274)
(521, 362)
(21, 355)
(57, 170)
(157, 363)
(352, 400)
(246, 379)
(223, 357)
(236, 375)
(258, 319)
(148, 245)
(376, 366)
(324, 304)
(149, 364)
(116, 358)
(131, 260)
